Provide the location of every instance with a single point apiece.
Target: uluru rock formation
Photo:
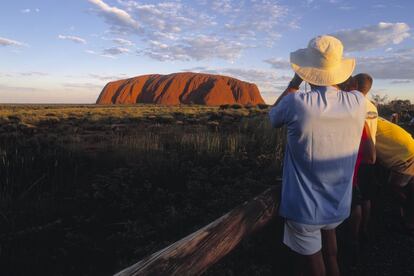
(181, 88)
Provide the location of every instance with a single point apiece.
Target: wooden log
(198, 251)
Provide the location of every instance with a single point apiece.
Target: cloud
(201, 47)
(113, 51)
(33, 74)
(24, 74)
(106, 78)
(5, 75)
(10, 42)
(30, 10)
(257, 75)
(109, 52)
(75, 39)
(387, 67)
(36, 95)
(92, 52)
(192, 30)
(87, 85)
(404, 52)
(119, 19)
(268, 81)
(373, 37)
(379, 6)
(401, 81)
(346, 7)
(123, 42)
(278, 63)
(166, 17)
(397, 65)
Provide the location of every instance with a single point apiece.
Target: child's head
(363, 83)
(348, 85)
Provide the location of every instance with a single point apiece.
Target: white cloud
(109, 52)
(123, 42)
(379, 6)
(405, 52)
(278, 63)
(397, 66)
(92, 52)
(346, 7)
(5, 75)
(30, 10)
(119, 19)
(106, 78)
(9, 42)
(165, 17)
(24, 74)
(268, 81)
(372, 37)
(192, 30)
(35, 95)
(86, 85)
(33, 74)
(75, 39)
(113, 51)
(401, 81)
(200, 47)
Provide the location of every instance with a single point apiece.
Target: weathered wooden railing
(198, 251)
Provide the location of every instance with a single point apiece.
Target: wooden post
(197, 252)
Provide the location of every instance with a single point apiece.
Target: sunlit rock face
(181, 88)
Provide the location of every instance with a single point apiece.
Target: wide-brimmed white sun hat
(322, 63)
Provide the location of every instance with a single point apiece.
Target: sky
(66, 51)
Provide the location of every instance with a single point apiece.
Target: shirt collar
(324, 89)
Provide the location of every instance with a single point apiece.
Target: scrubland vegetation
(86, 190)
(89, 190)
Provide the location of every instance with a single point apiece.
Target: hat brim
(323, 76)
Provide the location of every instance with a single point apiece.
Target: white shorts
(305, 239)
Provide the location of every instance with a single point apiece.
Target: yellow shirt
(371, 120)
(394, 145)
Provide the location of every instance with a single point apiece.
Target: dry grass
(33, 114)
(111, 184)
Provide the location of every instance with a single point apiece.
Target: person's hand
(295, 82)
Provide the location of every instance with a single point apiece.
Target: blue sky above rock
(65, 51)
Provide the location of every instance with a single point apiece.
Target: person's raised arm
(293, 87)
(280, 113)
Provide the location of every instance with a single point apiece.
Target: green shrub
(236, 106)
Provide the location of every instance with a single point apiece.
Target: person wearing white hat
(324, 128)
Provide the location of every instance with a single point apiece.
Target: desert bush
(263, 106)
(236, 106)
(117, 185)
(14, 118)
(165, 119)
(224, 106)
